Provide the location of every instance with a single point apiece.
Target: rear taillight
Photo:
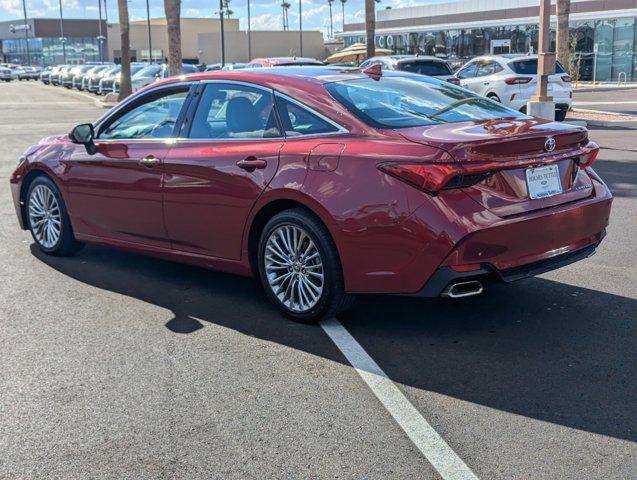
(588, 155)
(517, 80)
(433, 177)
(566, 78)
(454, 80)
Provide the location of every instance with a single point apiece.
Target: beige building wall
(191, 28)
(264, 44)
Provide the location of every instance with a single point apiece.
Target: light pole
(541, 105)
(223, 44)
(26, 31)
(300, 30)
(62, 38)
(150, 38)
(100, 37)
(249, 35)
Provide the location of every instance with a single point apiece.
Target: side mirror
(84, 134)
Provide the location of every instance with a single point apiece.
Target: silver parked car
(422, 64)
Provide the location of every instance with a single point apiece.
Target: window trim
(191, 112)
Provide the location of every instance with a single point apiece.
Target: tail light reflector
(466, 268)
(566, 78)
(433, 177)
(588, 156)
(517, 80)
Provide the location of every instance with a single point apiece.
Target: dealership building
(80, 43)
(604, 32)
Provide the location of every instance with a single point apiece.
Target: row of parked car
(10, 72)
(508, 79)
(105, 78)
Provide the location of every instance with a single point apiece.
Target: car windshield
(395, 101)
(529, 66)
(149, 71)
(426, 67)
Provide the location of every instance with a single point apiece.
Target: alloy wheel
(45, 216)
(294, 268)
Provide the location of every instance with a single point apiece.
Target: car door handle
(149, 161)
(250, 164)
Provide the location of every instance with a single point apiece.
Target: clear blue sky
(266, 14)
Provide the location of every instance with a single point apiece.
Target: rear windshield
(412, 100)
(425, 67)
(529, 66)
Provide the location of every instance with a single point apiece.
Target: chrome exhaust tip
(463, 289)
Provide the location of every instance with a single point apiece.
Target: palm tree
(286, 23)
(125, 88)
(343, 2)
(563, 12)
(370, 26)
(226, 8)
(172, 10)
(331, 32)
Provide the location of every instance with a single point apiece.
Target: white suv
(513, 81)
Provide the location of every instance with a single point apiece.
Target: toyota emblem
(549, 144)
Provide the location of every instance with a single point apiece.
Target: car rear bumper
(452, 230)
(445, 276)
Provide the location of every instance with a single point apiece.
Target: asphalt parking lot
(616, 101)
(115, 365)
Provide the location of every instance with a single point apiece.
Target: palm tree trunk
(331, 24)
(563, 12)
(370, 27)
(172, 9)
(125, 88)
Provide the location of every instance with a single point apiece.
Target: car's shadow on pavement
(536, 348)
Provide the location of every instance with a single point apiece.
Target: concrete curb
(599, 88)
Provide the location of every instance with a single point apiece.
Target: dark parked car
(323, 183)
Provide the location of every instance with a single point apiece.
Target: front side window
(468, 72)
(234, 112)
(484, 69)
(297, 120)
(155, 118)
(399, 101)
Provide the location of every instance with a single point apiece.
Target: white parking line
(428, 441)
(629, 102)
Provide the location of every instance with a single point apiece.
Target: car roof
(401, 58)
(287, 60)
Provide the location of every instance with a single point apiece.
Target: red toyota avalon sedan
(322, 183)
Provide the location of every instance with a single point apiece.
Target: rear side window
(426, 67)
(529, 66)
(234, 112)
(296, 120)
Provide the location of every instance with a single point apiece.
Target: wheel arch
(268, 208)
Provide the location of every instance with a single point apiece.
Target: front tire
(299, 267)
(48, 219)
(494, 97)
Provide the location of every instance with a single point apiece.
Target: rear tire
(48, 219)
(560, 115)
(299, 267)
(494, 97)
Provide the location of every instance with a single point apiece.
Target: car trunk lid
(505, 149)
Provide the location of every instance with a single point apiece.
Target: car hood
(499, 139)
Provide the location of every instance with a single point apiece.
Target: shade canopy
(355, 53)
